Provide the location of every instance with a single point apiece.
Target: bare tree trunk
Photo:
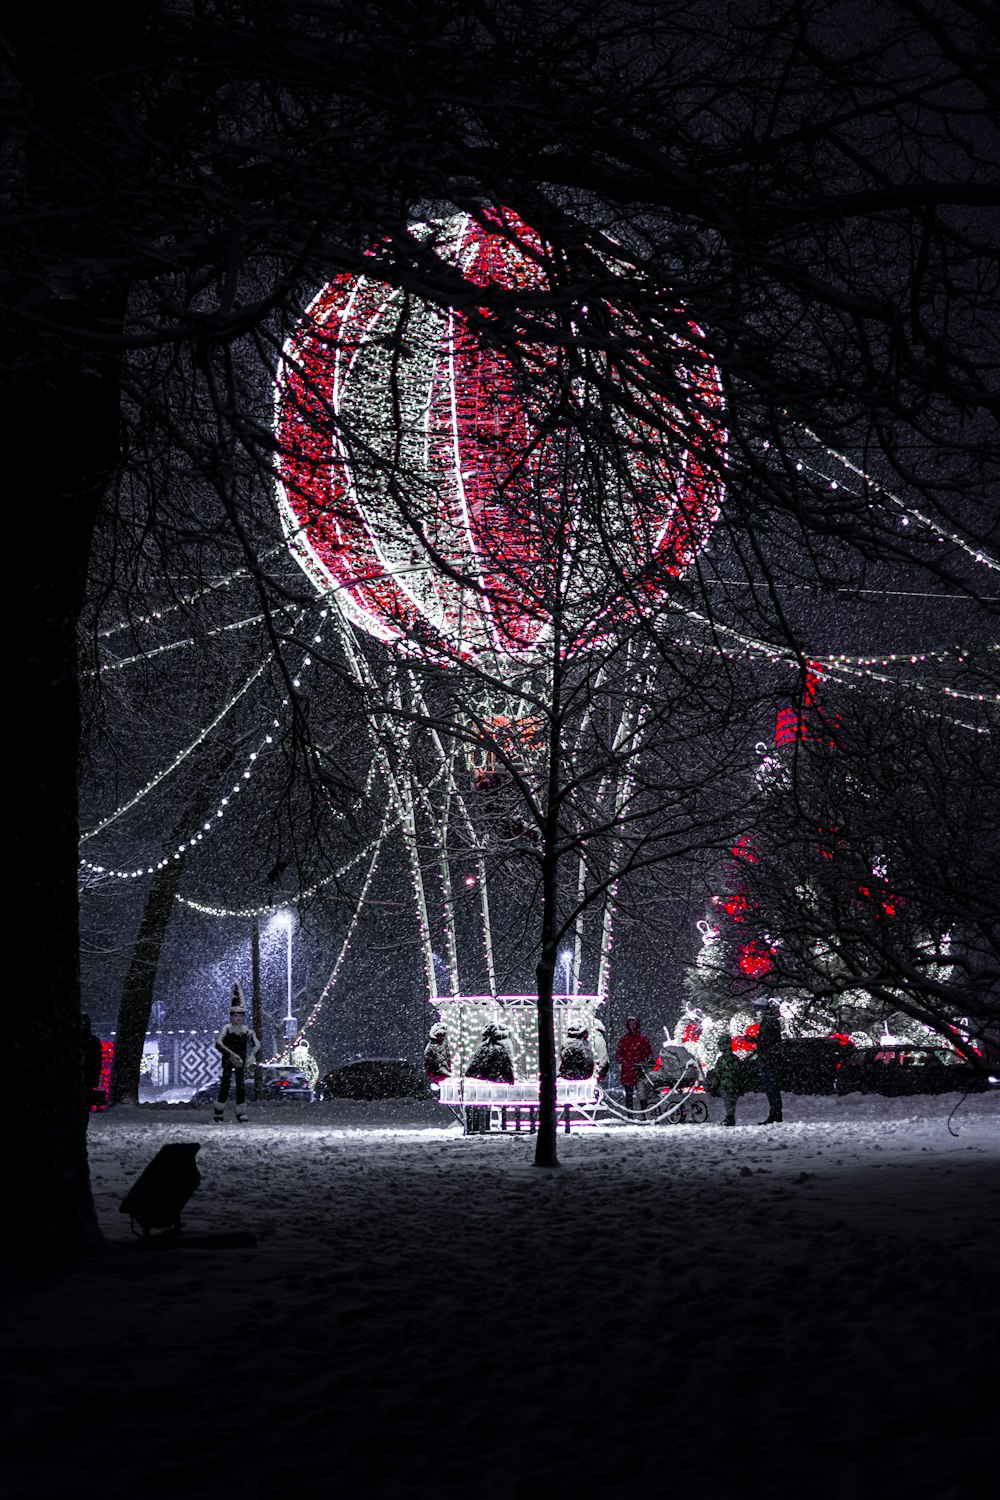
(136, 1002)
(64, 489)
(61, 406)
(55, 1207)
(546, 1154)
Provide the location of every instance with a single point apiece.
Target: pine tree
(751, 950)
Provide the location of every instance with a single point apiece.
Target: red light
(738, 906)
(755, 960)
(487, 454)
(745, 848)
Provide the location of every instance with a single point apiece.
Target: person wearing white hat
(235, 1044)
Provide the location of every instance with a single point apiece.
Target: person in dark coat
(93, 1063)
(769, 1040)
(602, 1067)
(437, 1054)
(493, 1063)
(727, 1078)
(577, 1057)
(632, 1051)
(236, 1044)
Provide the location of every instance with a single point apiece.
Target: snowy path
(802, 1311)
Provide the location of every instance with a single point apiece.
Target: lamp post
(290, 1026)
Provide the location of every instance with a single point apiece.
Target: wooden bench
(517, 1103)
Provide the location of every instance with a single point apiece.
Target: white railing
(458, 1092)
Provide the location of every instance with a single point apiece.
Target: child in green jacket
(728, 1077)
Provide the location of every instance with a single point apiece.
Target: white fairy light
(129, 661)
(267, 739)
(161, 776)
(205, 909)
(155, 616)
(910, 512)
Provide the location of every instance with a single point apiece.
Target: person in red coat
(632, 1051)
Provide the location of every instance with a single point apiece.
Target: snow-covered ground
(805, 1310)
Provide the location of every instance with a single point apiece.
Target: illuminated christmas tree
(791, 892)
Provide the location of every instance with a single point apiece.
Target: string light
(178, 760)
(751, 647)
(301, 896)
(910, 512)
(328, 988)
(155, 616)
(209, 826)
(420, 386)
(130, 661)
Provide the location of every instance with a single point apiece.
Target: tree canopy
(816, 183)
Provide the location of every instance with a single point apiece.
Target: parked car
(811, 1064)
(375, 1078)
(901, 1069)
(806, 1064)
(280, 1083)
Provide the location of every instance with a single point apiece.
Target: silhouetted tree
(812, 181)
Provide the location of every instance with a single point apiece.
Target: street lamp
(285, 920)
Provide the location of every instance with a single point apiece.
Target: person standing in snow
(93, 1062)
(492, 1062)
(601, 1064)
(577, 1057)
(769, 1040)
(235, 1044)
(727, 1077)
(437, 1054)
(632, 1051)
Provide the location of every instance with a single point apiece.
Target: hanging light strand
(209, 826)
(301, 896)
(130, 661)
(909, 512)
(188, 599)
(751, 647)
(178, 760)
(345, 946)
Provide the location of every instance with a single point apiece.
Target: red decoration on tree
(810, 722)
(754, 960)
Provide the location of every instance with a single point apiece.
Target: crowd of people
(582, 1057)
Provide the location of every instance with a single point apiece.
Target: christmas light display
(908, 512)
(121, 662)
(738, 960)
(178, 759)
(421, 478)
(155, 616)
(266, 740)
(432, 491)
(415, 483)
(305, 894)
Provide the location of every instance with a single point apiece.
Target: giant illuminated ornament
(440, 490)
